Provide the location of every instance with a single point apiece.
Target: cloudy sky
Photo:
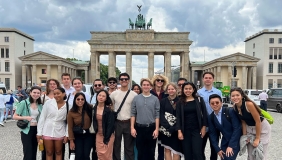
(217, 27)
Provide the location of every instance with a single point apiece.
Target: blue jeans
(9, 107)
(1, 114)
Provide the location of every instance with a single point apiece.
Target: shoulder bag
(79, 129)
(116, 113)
(22, 124)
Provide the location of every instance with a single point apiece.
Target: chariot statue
(140, 22)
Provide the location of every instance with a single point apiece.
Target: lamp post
(233, 84)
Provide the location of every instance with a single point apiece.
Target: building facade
(13, 44)
(38, 67)
(267, 46)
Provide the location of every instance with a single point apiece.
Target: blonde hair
(147, 80)
(159, 76)
(171, 84)
(1, 91)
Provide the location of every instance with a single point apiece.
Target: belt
(145, 125)
(128, 120)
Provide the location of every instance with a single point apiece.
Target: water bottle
(40, 145)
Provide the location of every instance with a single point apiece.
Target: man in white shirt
(66, 80)
(122, 124)
(263, 98)
(97, 86)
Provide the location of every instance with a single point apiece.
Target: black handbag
(79, 129)
(116, 113)
(22, 124)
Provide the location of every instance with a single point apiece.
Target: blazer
(108, 123)
(231, 131)
(201, 114)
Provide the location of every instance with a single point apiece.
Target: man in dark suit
(225, 121)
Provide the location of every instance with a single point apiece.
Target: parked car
(274, 100)
(253, 95)
(88, 89)
(3, 87)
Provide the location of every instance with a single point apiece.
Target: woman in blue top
(30, 110)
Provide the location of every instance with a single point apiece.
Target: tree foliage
(104, 72)
(72, 59)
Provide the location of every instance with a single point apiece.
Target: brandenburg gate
(139, 41)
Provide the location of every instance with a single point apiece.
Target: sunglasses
(80, 99)
(97, 85)
(123, 79)
(160, 80)
(112, 82)
(179, 85)
(215, 103)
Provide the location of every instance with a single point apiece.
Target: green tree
(104, 72)
(72, 59)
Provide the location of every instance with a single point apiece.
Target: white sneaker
(1, 124)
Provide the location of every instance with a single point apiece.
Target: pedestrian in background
(2, 107)
(263, 98)
(21, 94)
(168, 131)
(253, 123)
(191, 122)
(30, 110)
(80, 116)
(159, 84)
(9, 105)
(104, 126)
(52, 127)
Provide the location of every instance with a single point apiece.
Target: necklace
(173, 104)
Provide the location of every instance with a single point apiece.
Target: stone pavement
(11, 147)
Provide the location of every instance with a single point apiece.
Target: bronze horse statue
(149, 24)
(131, 24)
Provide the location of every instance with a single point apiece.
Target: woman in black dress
(191, 122)
(168, 132)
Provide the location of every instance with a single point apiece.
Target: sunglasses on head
(97, 85)
(112, 82)
(215, 103)
(123, 79)
(80, 99)
(160, 80)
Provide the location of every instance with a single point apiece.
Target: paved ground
(11, 147)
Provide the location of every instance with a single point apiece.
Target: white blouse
(52, 120)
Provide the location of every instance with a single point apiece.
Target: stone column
(93, 66)
(98, 70)
(193, 77)
(230, 75)
(48, 71)
(254, 85)
(168, 65)
(59, 71)
(150, 65)
(34, 75)
(218, 75)
(86, 76)
(129, 65)
(215, 74)
(111, 67)
(28, 74)
(74, 72)
(24, 76)
(181, 67)
(249, 86)
(185, 66)
(244, 77)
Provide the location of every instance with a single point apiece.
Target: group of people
(178, 117)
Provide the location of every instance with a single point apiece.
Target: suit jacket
(231, 131)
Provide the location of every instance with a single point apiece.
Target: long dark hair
(137, 86)
(86, 107)
(245, 97)
(31, 100)
(108, 101)
(183, 96)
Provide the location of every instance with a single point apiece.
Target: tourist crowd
(179, 118)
